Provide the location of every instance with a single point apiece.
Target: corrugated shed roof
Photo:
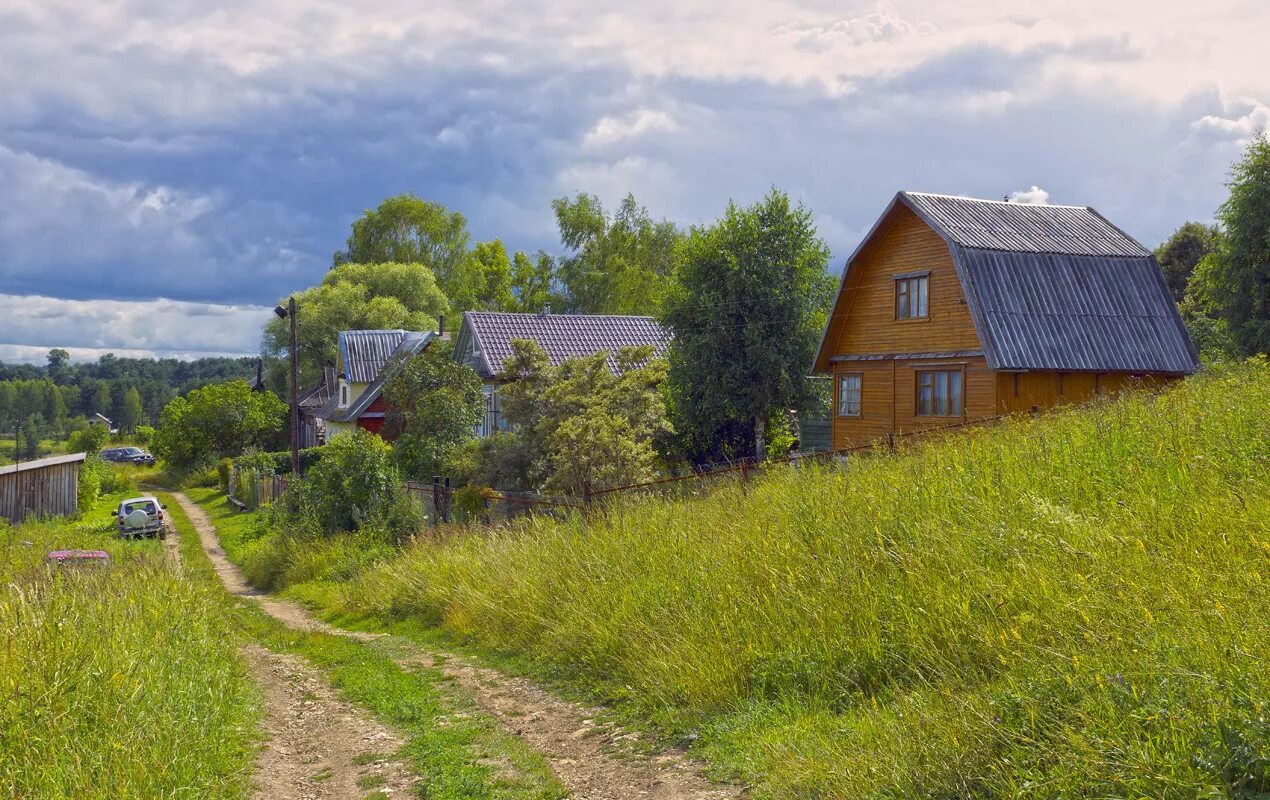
(562, 336)
(1074, 312)
(365, 352)
(1021, 227)
(410, 344)
(40, 463)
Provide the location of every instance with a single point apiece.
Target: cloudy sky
(170, 168)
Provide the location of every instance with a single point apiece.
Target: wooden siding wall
(44, 492)
(1024, 391)
(865, 313)
(888, 397)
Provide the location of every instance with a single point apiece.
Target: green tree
(532, 283)
(101, 399)
(578, 425)
(434, 404)
(89, 440)
(54, 407)
(483, 280)
(216, 421)
(1233, 283)
(618, 264)
(406, 229)
(8, 406)
(27, 446)
(747, 313)
(352, 297)
(1179, 255)
(132, 414)
(58, 359)
(354, 481)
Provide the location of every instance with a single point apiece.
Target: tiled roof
(562, 336)
(365, 352)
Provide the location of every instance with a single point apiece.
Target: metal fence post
(445, 515)
(436, 500)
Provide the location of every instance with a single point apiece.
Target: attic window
(910, 296)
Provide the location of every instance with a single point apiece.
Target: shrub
(224, 468)
(355, 476)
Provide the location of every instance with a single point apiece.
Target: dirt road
(595, 761)
(317, 747)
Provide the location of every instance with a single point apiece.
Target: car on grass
(127, 455)
(141, 516)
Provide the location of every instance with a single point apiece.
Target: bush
(224, 468)
(89, 440)
(90, 479)
(277, 462)
(144, 434)
(355, 477)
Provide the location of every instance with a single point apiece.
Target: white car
(141, 516)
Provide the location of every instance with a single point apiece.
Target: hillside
(1067, 606)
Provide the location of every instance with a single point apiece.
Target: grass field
(1070, 606)
(117, 681)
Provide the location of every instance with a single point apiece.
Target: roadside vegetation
(116, 680)
(1066, 606)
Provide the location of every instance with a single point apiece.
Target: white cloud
(644, 120)
(1034, 195)
(34, 324)
(1238, 128)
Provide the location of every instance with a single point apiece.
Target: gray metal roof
(411, 342)
(365, 352)
(489, 334)
(1053, 287)
(40, 463)
(1022, 227)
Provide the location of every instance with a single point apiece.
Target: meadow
(1068, 606)
(117, 680)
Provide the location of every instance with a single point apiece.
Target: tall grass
(1073, 606)
(116, 681)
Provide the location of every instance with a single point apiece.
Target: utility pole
(289, 311)
(295, 396)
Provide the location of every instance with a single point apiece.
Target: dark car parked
(127, 455)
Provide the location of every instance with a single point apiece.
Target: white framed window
(849, 386)
(939, 393)
(911, 297)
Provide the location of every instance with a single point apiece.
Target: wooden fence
(252, 489)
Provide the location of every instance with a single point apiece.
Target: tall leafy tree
(406, 229)
(1233, 284)
(619, 263)
(533, 283)
(101, 400)
(483, 280)
(131, 413)
(352, 297)
(434, 404)
(1180, 254)
(747, 313)
(221, 419)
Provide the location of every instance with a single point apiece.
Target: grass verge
(116, 681)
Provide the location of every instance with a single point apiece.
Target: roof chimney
(546, 309)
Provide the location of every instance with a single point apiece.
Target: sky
(169, 169)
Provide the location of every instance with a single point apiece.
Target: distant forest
(129, 391)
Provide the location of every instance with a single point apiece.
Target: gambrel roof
(1052, 287)
(485, 337)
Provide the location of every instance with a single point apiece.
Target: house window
(849, 394)
(343, 395)
(910, 297)
(939, 393)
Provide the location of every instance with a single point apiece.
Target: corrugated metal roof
(40, 463)
(1050, 287)
(1022, 227)
(562, 336)
(410, 344)
(365, 352)
(1074, 312)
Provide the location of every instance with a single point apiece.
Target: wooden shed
(46, 487)
(955, 309)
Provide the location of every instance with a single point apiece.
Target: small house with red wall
(366, 362)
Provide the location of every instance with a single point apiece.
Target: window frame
(911, 288)
(947, 372)
(859, 400)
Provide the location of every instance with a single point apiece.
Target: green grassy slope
(117, 681)
(1074, 606)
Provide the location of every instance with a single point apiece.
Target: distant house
(360, 374)
(98, 419)
(954, 309)
(46, 487)
(311, 402)
(484, 338)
